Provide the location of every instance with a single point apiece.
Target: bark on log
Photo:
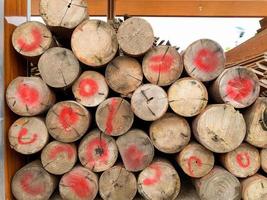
(263, 155)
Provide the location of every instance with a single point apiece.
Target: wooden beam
(194, 8)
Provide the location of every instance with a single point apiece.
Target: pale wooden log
(124, 74)
(79, 184)
(195, 160)
(256, 121)
(90, 89)
(237, 86)
(263, 158)
(28, 135)
(58, 158)
(218, 184)
(98, 151)
(162, 65)
(242, 162)
(94, 42)
(32, 182)
(29, 96)
(159, 181)
(31, 39)
(187, 192)
(58, 67)
(204, 59)
(254, 188)
(67, 121)
(187, 97)
(114, 116)
(170, 133)
(135, 36)
(117, 183)
(149, 102)
(136, 150)
(220, 128)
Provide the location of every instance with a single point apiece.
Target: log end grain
(94, 42)
(187, 97)
(170, 133)
(67, 121)
(59, 158)
(162, 65)
(98, 151)
(90, 89)
(263, 158)
(149, 102)
(28, 135)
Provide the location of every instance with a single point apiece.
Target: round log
(67, 121)
(159, 181)
(117, 183)
(136, 150)
(170, 133)
(98, 151)
(67, 14)
(28, 135)
(114, 116)
(237, 86)
(59, 158)
(90, 89)
(195, 160)
(218, 184)
(254, 187)
(79, 184)
(31, 39)
(187, 97)
(220, 128)
(100, 36)
(263, 158)
(32, 182)
(162, 65)
(149, 102)
(244, 161)
(256, 121)
(124, 74)
(135, 36)
(204, 59)
(29, 96)
(58, 67)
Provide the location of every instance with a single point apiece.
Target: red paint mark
(28, 94)
(79, 184)
(27, 185)
(192, 160)
(67, 117)
(99, 148)
(243, 159)
(156, 178)
(161, 63)
(63, 148)
(88, 87)
(111, 114)
(133, 157)
(239, 88)
(206, 60)
(23, 132)
(37, 39)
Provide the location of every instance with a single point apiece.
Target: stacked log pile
(116, 117)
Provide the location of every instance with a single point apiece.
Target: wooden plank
(15, 8)
(218, 8)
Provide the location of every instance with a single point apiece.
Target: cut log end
(263, 158)
(149, 102)
(97, 151)
(117, 183)
(187, 97)
(170, 133)
(162, 65)
(59, 158)
(114, 116)
(67, 121)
